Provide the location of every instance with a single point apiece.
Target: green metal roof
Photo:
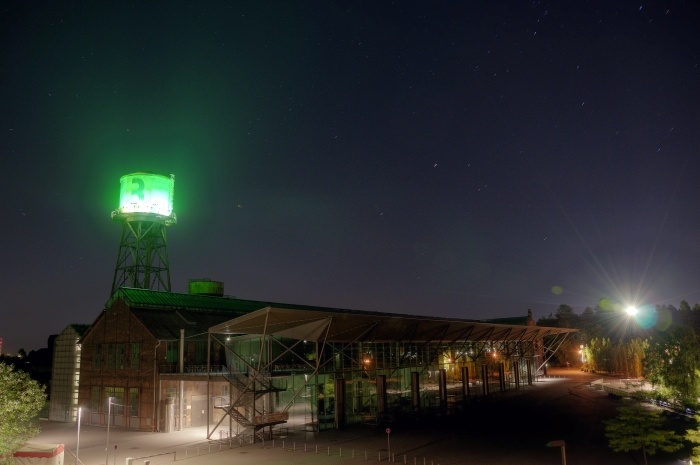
(146, 298)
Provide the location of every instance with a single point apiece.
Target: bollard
(329, 451)
(282, 444)
(379, 456)
(404, 459)
(304, 447)
(273, 443)
(353, 453)
(317, 448)
(365, 455)
(294, 445)
(229, 443)
(393, 458)
(219, 447)
(340, 451)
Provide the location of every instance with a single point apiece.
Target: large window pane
(95, 399)
(173, 352)
(111, 357)
(97, 356)
(120, 355)
(134, 401)
(200, 352)
(135, 355)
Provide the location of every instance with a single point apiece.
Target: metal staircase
(246, 389)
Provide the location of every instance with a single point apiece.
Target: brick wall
(118, 324)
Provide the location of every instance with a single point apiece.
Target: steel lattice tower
(145, 210)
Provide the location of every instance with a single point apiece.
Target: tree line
(664, 349)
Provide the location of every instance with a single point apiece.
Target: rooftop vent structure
(206, 286)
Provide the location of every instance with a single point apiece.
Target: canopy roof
(341, 326)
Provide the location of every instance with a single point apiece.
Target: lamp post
(109, 421)
(110, 402)
(583, 360)
(77, 447)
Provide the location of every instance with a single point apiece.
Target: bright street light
(632, 311)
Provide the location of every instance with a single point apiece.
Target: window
(200, 352)
(117, 402)
(95, 399)
(120, 352)
(135, 356)
(134, 401)
(111, 356)
(97, 356)
(173, 352)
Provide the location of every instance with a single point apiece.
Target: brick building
(132, 352)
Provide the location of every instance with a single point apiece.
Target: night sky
(456, 159)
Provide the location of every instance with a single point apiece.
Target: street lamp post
(77, 447)
(109, 421)
(109, 417)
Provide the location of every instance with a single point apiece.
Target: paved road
(506, 428)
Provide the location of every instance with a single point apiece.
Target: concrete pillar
(529, 372)
(442, 386)
(415, 391)
(465, 382)
(502, 376)
(339, 403)
(485, 379)
(381, 393)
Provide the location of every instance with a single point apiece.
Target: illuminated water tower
(145, 210)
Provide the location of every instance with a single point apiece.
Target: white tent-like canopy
(346, 326)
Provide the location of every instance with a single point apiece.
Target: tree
(636, 428)
(673, 360)
(21, 398)
(566, 317)
(693, 435)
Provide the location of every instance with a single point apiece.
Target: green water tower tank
(206, 286)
